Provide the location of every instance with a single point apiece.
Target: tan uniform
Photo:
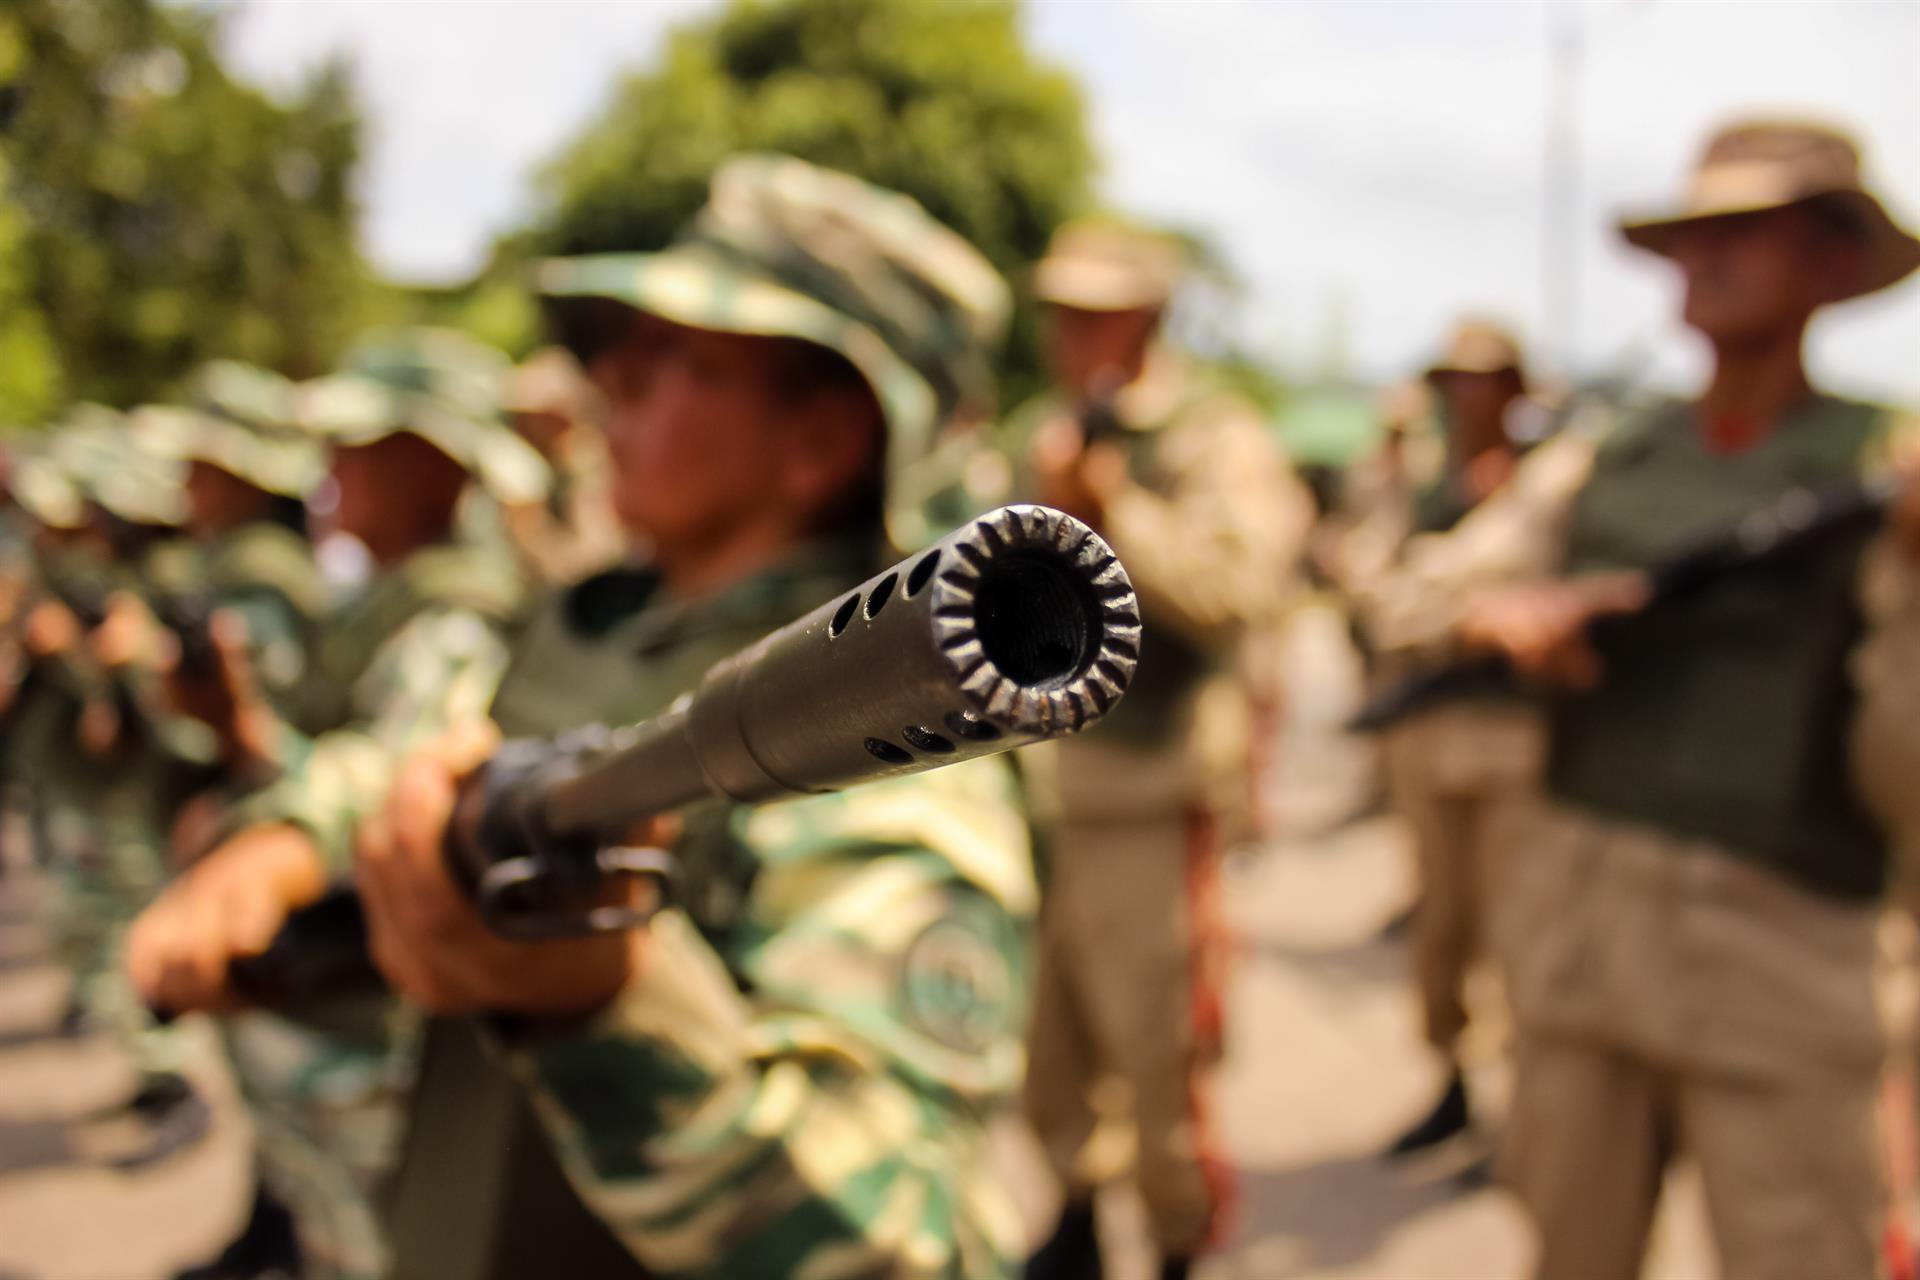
(1209, 530)
(1671, 992)
(1452, 771)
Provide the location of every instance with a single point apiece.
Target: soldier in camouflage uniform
(1448, 771)
(757, 1085)
(245, 573)
(240, 563)
(1181, 477)
(1688, 919)
(100, 760)
(410, 445)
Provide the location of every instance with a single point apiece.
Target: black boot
(1072, 1252)
(1448, 1118)
(1175, 1268)
(265, 1249)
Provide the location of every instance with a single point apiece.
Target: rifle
(1018, 627)
(189, 616)
(1793, 521)
(1099, 416)
(86, 601)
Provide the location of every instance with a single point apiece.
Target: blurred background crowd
(1315, 311)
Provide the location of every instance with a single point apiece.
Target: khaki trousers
(1788, 1169)
(1128, 993)
(1673, 1000)
(1453, 774)
(1448, 835)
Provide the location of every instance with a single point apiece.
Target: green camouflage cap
(445, 364)
(283, 462)
(346, 410)
(113, 468)
(785, 249)
(41, 487)
(244, 393)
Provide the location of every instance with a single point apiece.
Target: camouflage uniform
(111, 817)
(328, 1084)
(798, 1083)
(837, 915)
(102, 811)
(1210, 525)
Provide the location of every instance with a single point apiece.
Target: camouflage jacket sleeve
(1211, 546)
(805, 1094)
(439, 670)
(1518, 533)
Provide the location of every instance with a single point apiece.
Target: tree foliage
(156, 212)
(939, 99)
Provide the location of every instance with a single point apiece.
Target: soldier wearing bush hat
(1180, 474)
(1688, 917)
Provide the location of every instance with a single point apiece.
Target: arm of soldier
(1216, 552)
(1886, 724)
(828, 1116)
(1516, 536)
(285, 842)
(437, 672)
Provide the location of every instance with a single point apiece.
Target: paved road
(1325, 1065)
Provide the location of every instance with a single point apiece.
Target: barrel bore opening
(1038, 621)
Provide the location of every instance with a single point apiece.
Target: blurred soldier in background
(107, 764)
(244, 574)
(1688, 923)
(409, 436)
(1479, 382)
(575, 531)
(1182, 479)
(1371, 516)
(238, 573)
(1449, 770)
(757, 1084)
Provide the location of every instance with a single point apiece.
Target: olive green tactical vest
(1723, 717)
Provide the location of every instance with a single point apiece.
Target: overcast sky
(1372, 166)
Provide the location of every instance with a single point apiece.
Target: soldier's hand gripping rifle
(1800, 517)
(1018, 627)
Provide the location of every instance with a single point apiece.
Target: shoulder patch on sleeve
(957, 981)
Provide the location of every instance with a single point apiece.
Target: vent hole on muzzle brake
(881, 749)
(844, 614)
(1038, 622)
